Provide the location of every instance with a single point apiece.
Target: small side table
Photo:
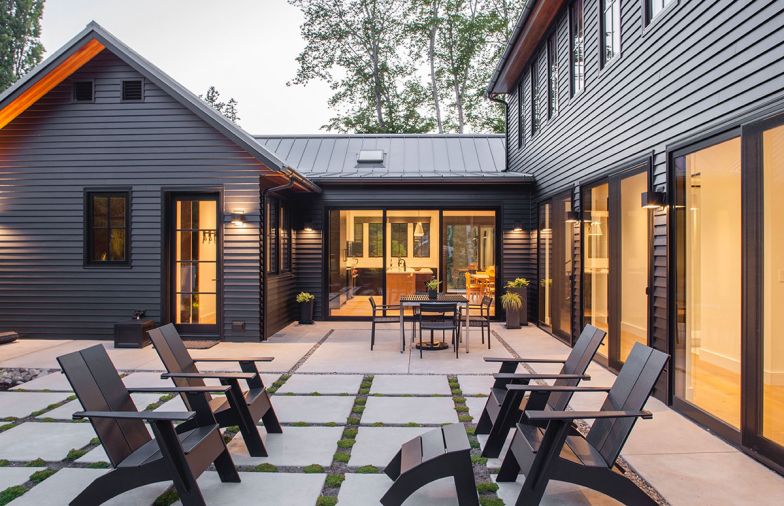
(132, 333)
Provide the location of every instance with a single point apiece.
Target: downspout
(492, 97)
(263, 239)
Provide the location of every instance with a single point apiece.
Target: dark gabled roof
(406, 157)
(64, 63)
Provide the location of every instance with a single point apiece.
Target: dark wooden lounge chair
(434, 455)
(560, 453)
(236, 408)
(179, 455)
(503, 407)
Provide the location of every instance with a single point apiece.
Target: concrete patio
(345, 411)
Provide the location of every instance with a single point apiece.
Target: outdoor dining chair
(504, 404)
(179, 454)
(239, 408)
(379, 315)
(482, 320)
(439, 316)
(559, 452)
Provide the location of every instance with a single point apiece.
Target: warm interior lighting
(49, 80)
(652, 200)
(518, 227)
(419, 231)
(595, 230)
(308, 227)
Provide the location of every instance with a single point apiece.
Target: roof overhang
(533, 25)
(517, 178)
(91, 42)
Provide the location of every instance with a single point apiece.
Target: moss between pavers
(485, 487)
(341, 457)
(350, 433)
(39, 462)
(11, 493)
(326, 500)
(334, 480)
(491, 501)
(7, 426)
(4, 463)
(74, 454)
(99, 465)
(167, 498)
(39, 476)
(266, 468)
(346, 443)
(368, 470)
(313, 469)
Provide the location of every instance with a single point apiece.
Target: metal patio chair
(558, 452)
(505, 404)
(179, 455)
(379, 315)
(239, 408)
(435, 316)
(482, 320)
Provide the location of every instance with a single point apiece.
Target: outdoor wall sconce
(238, 218)
(572, 217)
(308, 227)
(518, 227)
(653, 200)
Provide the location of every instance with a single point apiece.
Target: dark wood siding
(696, 67)
(517, 256)
(56, 149)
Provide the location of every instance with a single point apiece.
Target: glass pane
(184, 214)
(578, 46)
(117, 246)
(545, 263)
(355, 278)
(564, 309)
(100, 212)
(469, 252)
(708, 213)
(612, 29)
(183, 304)
(204, 309)
(596, 270)
(273, 260)
(100, 245)
(407, 272)
(196, 265)
(773, 344)
(117, 211)
(185, 246)
(633, 269)
(185, 277)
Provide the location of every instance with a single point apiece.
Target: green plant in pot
(432, 288)
(519, 286)
(305, 301)
(513, 306)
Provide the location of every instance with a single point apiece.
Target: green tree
(20, 44)
(425, 21)
(357, 47)
(228, 109)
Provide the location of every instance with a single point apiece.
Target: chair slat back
(576, 363)
(484, 309)
(99, 388)
(175, 356)
(443, 309)
(630, 392)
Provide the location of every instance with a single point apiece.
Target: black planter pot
(432, 294)
(513, 319)
(306, 313)
(522, 291)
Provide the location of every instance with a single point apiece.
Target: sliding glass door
(556, 276)
(411, 252)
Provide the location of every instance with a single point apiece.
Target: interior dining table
(416, 300)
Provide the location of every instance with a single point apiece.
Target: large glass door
(194, 263)
(469, 253)
(596, 259)
(556, 276)
(411, 252)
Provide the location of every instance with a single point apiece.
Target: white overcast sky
(245, 48)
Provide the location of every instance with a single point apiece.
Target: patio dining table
(417, 300)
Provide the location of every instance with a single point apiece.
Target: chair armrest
(177, 390)
(219, 375)
(555, 388)
(514, 376)
(171, 416)
(235, 359)
(585, 415)
(527, 360)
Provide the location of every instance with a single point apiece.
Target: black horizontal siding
(56, 149)
(698, 66)
(516, 258)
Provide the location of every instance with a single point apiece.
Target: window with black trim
(552, 75)
(654, 7)
(273, 236)
(83, 91)
(375, 240)
(422, 240)
(357, 245)
(535, 98)
(108, 228)
(577, 45)
(610, 30)
(520, 118)
(285, 239)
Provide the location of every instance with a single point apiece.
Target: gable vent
(83, 91)
(132, 90)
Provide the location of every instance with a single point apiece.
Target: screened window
(399, 239)
(422, 240)
(577, 45)
(552, 74)
(108, 228)
(273, 235)
(611, 29)
(654, 7)
(375, 240)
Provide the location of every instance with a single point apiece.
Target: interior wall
(773, 177)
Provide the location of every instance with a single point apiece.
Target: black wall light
(653, 199)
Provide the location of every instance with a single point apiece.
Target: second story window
(654, 7)
(610, 30)
(577, 45)
(520, 118)
(552, 76)
(536, 98)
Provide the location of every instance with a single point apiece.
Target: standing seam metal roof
(406, 156)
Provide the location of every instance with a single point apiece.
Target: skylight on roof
(371, 156)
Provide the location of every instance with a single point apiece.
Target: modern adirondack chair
(558, 452)
(436, 454)
(504, 406)
(236, 408)
(180, 456)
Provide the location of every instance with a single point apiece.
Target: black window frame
(573, 74)
(379, 244)
(535, 85)
(77, 82)
(273, 236)
(284, 235)
(89, 195)
(552, 75)
(122, 90)
(520, 115)
(401, 244)
(603, 60)
(647, 10)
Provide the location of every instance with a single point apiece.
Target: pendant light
(595, 229)
(419, 230)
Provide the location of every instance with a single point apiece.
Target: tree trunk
(459, 107)
(432, 56)
(377, 90)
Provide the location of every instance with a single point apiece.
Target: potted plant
(432, 288)
(305, 301)
(520, 287)
(513, 305)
